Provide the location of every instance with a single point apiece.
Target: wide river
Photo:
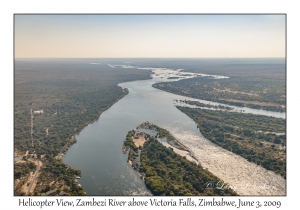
(105, 171)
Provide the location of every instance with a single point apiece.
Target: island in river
(164, 171)
(98, 145)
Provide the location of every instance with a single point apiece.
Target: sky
(153, 36)
(149, 36)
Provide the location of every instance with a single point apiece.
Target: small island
(199, 104)
(165, 172)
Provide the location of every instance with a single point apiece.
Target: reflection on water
(105, 171)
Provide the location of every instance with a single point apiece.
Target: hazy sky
(186, 36)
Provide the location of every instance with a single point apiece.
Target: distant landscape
(56, 100)
(259, 86)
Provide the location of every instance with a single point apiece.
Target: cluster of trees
(72, 94)
(128, 143)
(173, 77)
(22, 169)
(63, 176)
(167, 173)
(163, 133)
(257, 86)
(197, 103)
(248, 135)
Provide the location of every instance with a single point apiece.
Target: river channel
(105, 171)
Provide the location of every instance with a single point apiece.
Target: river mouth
(104, 167)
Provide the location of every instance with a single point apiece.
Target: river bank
(158, 165)
(101, 141)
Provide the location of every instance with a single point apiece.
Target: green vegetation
(62, 178)
(199, 104)
(167, 173)
(163, 133)
(72, 94)
(259, 86)
(259, 139)
(22, 169)
(128, 143)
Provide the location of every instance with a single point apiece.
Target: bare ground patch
(139, 139)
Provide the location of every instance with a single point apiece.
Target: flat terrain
(259, 139)
(139, 140)
(167, 173)
(254, 85)
(65, 95)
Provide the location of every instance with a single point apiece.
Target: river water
(105, 171)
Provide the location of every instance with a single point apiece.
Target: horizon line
(149, 57)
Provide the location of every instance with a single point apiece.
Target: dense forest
(259, 86)
(167, 173)
(22, 169)
(54, 99)
(257, 138)
(64, 96)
